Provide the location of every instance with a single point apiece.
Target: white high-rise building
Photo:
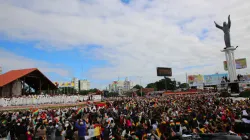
(76, 84)
(120, 86)
(84, 85)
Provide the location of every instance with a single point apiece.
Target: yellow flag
(97, 131)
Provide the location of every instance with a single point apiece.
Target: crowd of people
(138, 118)
(44, 99)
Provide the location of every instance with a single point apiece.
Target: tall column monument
(229, 50)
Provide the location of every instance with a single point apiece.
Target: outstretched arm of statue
(218, 26)
(229, 21)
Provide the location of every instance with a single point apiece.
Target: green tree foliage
(152, 85)
(86, 92)
(160, 85)
(139, 93)
(112, 94)
(184, 85)
(137, 87)
(66, 90)
(83, 92)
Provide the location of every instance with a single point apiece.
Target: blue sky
(72, 59)
(72, 38)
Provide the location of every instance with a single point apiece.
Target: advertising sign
(213, 79)
(64, 84)
(164, 71)
(240, 64)
(246, 77)
(195, 80)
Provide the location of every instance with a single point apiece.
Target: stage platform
(27, 107)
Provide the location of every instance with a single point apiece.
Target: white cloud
(10, 61)
(136, 38)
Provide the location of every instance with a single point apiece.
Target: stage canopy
(14, 81)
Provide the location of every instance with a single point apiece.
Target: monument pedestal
(229, 52)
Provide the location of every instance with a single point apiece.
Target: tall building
(120, 86)
(127, 85)
(84, 85)
(76, 84)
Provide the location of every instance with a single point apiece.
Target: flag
(101, 104)
(127, 107)
(172, 124)
(8, 136)
(97, 130)
(35, 112)
(4, 122)
(79, 110)
(145, 137)
(158, 132)
(177, 123)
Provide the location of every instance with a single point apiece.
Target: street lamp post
(140, 84)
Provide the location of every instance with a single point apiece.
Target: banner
(97, 97)
(246, 77)
(195, 80)
(214, 79)
(94, 132)
(65, 84)
(240, 64)
(164, 71)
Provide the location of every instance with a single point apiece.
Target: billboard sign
(214, 79)
(240, 64)
(246, 77)
(195, 80)
(64, 84)
(164, 71)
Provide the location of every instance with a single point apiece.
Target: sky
(101, 40)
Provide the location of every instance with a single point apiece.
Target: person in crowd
(165, 118)
(41, 132)
(81, 127)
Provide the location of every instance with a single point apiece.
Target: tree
(178, 84)
(112, 94)
(184, 85)
(139, 93)
(152, 85)
(67, 90)
(160, 85)
(138, 87)
(86, 92)
(94, 90)
(83, 92)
